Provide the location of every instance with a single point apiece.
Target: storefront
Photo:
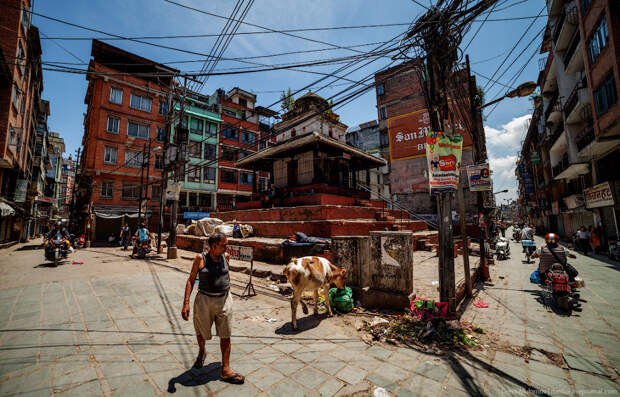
(600, 198)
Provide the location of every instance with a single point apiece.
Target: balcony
(573, 58)
(553, 113)
(560, 167)
(577, 107)
(585, 138)
(564, 28)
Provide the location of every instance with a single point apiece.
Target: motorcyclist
(59, 229)
(527, 233)
(142, 234)
(547, 257)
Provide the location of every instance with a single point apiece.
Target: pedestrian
(595, 240)
(502, 228)
(583, 240)
(125, 236)
(213, 303)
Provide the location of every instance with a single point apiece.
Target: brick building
(238, 139)
(575, 128)
(401, 108)
(20, 90)
(127, 99)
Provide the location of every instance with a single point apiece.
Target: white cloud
(509, 135)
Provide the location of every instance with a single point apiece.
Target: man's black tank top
(213, 277)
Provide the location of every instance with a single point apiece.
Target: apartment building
(124, 133)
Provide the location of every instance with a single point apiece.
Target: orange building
(127, 101)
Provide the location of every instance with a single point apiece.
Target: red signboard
(407, 134)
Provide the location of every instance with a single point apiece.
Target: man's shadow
(196, 377)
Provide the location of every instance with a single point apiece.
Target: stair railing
(397, 205)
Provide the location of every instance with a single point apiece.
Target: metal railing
(558, 26)
(397, 206)
(584, 139)
(574, 43)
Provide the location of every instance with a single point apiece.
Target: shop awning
(573, 171)
(6, 210)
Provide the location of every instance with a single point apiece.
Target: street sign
(599, 196)
(534, 157)
(196, 215)
(479, 177)
(173, 191)
(240, 252)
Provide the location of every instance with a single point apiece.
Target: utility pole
(72, 205)
(141, 198)
(164, 178)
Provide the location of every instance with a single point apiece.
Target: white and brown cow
(312, 273)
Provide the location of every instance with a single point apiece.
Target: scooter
(563, 290)
(141, 249)
(614, 250)
(56, 249)
(530, 247)
(502, 248)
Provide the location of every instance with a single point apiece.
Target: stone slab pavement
(119, 334)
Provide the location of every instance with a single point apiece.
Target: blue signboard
(195, 215)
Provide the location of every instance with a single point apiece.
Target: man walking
(213, 303)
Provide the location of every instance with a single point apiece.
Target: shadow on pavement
(304, 324)
(195, 377)
(30, 247)
(50, 264)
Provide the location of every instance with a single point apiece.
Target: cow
(312, 273)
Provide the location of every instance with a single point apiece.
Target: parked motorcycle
(563, 290)
(141, 249)
(56, 249)
(614, 250)
(516, 234)
(77, 242)
(502, 248)
(530, 247)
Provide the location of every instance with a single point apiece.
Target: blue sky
(505, 126)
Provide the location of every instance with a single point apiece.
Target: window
(159, 162)
(161, 134)
(380, 89)
(193, 173)
(228, 176)
(598, 41)
(209, 153)
(107, 189)
(163, 108)
(229, 154)
(243, 154)
(193, 199)
(133, 159)
(196, 126)
(110, 154)
(248, 137)
(209, 174)
(205, 200)
(156, 192)
(22, 105)
(263, 184)
(230, 113)
(243, 102)
(605, 95)
(21, 58)
(25, 18)
(383, 138)
(137, 130)
(15, 97)
(195, 149)
(247, 179)
(382, 113)
(230, 132)
(141, 102)
(116, 95)
(113, 124)
(130, 191)
(184, 123)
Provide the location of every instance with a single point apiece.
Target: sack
(571, 271)
(535, 277)
(341, 300)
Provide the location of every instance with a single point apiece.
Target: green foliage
(287, 101)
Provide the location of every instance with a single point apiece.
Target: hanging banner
(479, 177)
(20, 191)
(173, 191)
(443, 155)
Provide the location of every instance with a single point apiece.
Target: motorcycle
(614, 250)
(77, 242)
(530, 247)
(56, 249)
(502, 248)
(141, 249)
(563, 290)
(516, 234)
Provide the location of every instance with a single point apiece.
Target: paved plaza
(112, 327)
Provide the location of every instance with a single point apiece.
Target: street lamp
(524, 89)
(501, 191)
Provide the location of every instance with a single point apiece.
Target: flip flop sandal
(236, 379)
(199, 363)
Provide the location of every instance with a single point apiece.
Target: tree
(481, 99)
(287, 102)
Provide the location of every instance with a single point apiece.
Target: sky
(505, 125)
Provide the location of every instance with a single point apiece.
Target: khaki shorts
(213, 309)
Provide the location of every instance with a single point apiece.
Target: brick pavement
(122, 335)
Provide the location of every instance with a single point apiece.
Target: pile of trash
(206, 226)
(425, 325)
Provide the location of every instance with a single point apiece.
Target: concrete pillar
(351, 253)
